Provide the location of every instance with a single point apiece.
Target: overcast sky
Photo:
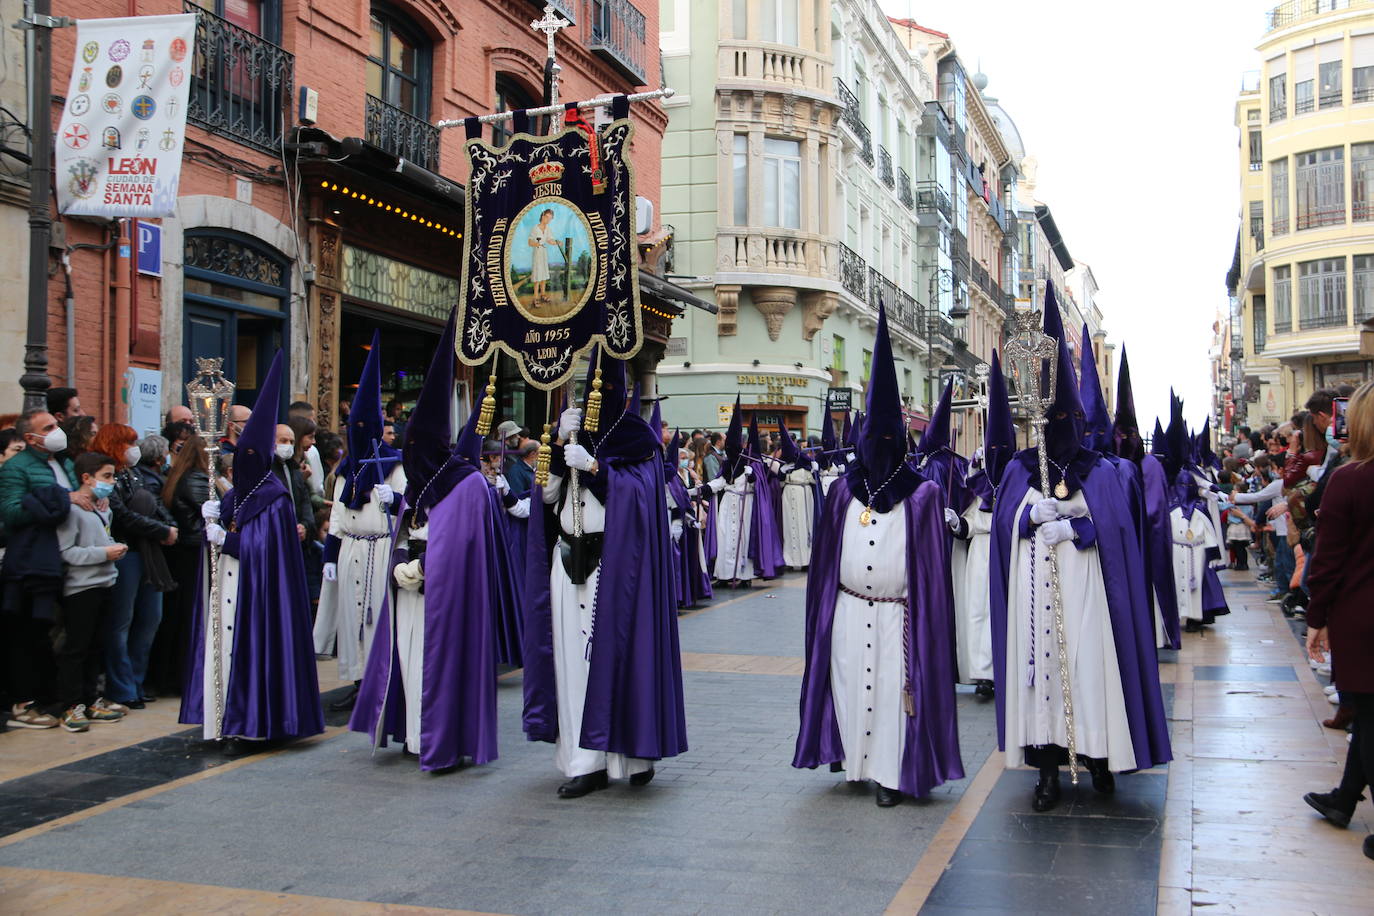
(1129, 108)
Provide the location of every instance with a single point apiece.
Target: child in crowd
(89, 556)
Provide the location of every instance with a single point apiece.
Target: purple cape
(1123, 575)
(1159, 546)
(634, 690)
(273, 690)
(690, 582)
(462, 586)
(508, 562)
(765, 529)
(931, 753)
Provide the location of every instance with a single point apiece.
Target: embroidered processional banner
(550, 265)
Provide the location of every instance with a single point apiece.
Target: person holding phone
(1340, 617)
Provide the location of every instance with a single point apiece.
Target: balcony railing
(1362, 210)
(885, 166)
(958, 248)
(401, 133)
(931, 198)
(937, 122)
(851, 118)
(1257, 231)
(904, 189)
(761, 250)
(1314, 217)
(1279, 226)
(1322, 320)
(615, 30)
(1295, 11)
(853, 273)
(1278, 113)
(242, 83)
(980, 276)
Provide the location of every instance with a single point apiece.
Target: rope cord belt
(908, 689)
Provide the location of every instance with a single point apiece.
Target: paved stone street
(324, 826)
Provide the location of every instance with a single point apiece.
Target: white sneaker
(1324, 669)
(1329, 689)
(1333, 699)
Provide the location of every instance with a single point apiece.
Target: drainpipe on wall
(122, 334)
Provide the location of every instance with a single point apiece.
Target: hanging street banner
(550, 264)
(120, 141)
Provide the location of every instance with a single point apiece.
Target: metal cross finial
(550, 25)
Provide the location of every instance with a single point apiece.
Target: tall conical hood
(1207, 457)
(258, 442)
(656, 419)
(1157, 446)
(847, 433)
(791, 453)
(999, 437)
(429, 434)
(1064, 431)
(1126, 428)
(364, 432)
(734, 443)
(1178, 446)
(882, 446)
(469, 444)
(936, 436)
(636, 405)
(755, 443)
(614, 390)
(670, 455)
(1097, 419)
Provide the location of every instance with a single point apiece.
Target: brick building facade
(308, 234)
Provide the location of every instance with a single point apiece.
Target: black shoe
(888, 798)
(642, 779)
(1329, 805)
(1369, 846)
(1104, 780)
(1192, 626)
(136, 704)
(837, 767)
(579, 786)
(984, 689)
(1047, 793)
(347, 702)
(233, 747)
(149, 696)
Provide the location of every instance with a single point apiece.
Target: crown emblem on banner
(545, 172)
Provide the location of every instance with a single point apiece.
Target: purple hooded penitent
(765, 523)
(469, 586)
(939, 462)
(364, 433)
(1115, 539)
(633, 703)
(931, 749)
(271, 686)
(691, 581)
(999, 439)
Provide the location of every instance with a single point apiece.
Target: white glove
(1047, 510)
(1057, 531)
(214, 534)
(521, 509)
(952, 520)
(209, 510)
(502, 485)
(716, 484)
(578, 457)
(569, 422)
(383, 495)
(331, 572)
(409, 576)
(749, 471)
(676, 529)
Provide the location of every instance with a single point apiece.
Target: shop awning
(370, 159)
(659, 288)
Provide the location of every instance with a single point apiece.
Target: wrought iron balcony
(852, 119)
(1322, 320)
(904, 189)
(931, 198)
(1315, 217)
(885, 166)
(615, 30)
(242, 83)
(402, 134)
(1279, 226)
(958, 248)
(1292, 12)
(980, 276)
(853, 273)
(937, 122)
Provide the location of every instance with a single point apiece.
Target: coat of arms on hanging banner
(550, 265)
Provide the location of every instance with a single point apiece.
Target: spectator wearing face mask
(142, 522)
(35, 497)
(64, 404)
(288, 470)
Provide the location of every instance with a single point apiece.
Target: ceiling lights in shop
(385, 207)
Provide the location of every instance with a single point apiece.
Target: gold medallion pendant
(1061, 490)
(1190, 535)
(866, 517)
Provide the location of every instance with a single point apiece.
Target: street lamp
(943, 278)
(210, 394)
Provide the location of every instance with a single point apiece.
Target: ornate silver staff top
(1036, 355)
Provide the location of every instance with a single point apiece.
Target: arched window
(511, 95)
(398, 63)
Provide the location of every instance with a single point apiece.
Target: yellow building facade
(1306, 278)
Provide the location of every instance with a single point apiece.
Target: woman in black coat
(186, 489)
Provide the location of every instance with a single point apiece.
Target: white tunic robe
(1192, 537)
(409, 611)
(734, 515)
(227, 572)
(1204, 485)
(972, 612)
(573, 609)
(867, 669)
(355, 601)
(798, 517)
(1033, 696)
